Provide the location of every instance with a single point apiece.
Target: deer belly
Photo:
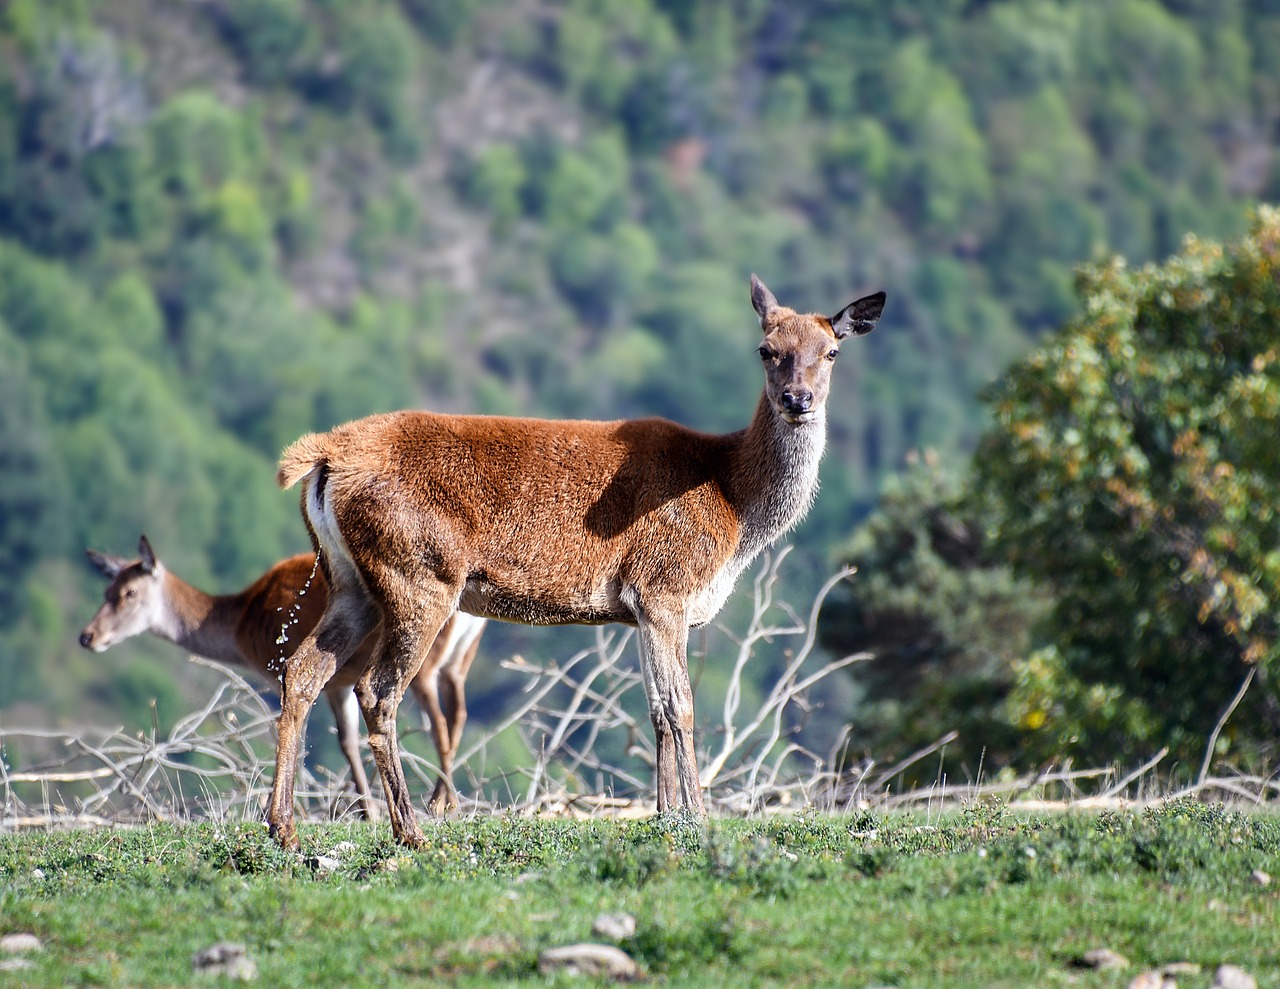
(531, 605)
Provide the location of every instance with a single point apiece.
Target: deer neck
(200, 623)
(774, 475)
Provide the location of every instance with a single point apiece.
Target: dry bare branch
(1217, 729)
(589, 749)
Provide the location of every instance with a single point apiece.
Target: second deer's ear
(147, 554)
(761, 298)
(106, 565)
(858, 317)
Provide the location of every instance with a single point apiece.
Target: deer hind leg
(664, 639)
(346, 716)
(412, 617)
(346, 621)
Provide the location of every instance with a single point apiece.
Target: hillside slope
(224, 223)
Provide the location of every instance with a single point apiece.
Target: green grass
(986, 897)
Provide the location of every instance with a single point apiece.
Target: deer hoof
(286, 836)
(413, 839)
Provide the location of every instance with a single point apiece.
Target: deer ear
(147, 554)
(858, 317)
(761, 298)
(108, 566)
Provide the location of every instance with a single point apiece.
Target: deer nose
(797, 400)
(86, 639)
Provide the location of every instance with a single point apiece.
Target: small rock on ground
(1230, 977)
(614, 926)
(1103, 958)
(225, 958)
(1173, 969)
(593, 960)
(1260, 878)
(1153, 979)
(20, 944)
(16, 964)
(323, 864)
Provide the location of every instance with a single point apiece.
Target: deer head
(133, 601)
(799, 351)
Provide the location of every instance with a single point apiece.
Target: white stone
(592, 960)
(1103, 958)
(20, 944)
(1230, 977)
(614, 926)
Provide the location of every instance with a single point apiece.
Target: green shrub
(268, 36)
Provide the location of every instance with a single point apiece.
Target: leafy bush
(268, 35)
(493, 181)
(1133, 465)
(32, 488)
(944, 618)
(200, 143)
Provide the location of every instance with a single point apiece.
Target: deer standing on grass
(416, 515)
(245, 629)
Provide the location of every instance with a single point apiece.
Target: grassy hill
(993, 897)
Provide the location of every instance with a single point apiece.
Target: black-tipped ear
(761, 298)
(858, 317)
(147, 554)
(108, 566)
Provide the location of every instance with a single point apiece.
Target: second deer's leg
(452, 683)
(346, 716)
(427, 687)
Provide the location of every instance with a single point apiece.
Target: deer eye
(832, 354)
(132, 592)
(767, 355)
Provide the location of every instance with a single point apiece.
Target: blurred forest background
(227, 222)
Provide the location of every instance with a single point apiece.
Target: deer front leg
(346, 716)
(664, 637)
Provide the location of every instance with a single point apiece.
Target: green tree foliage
(222, 224)
(945, 619)
(32, 495)
(493, 182)
(1135, 470)
(268, 35)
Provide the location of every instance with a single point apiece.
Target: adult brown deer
(645, 522)
(245, 629)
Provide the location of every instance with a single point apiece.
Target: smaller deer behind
(244, 630)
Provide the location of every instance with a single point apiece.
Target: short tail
(300, 458)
